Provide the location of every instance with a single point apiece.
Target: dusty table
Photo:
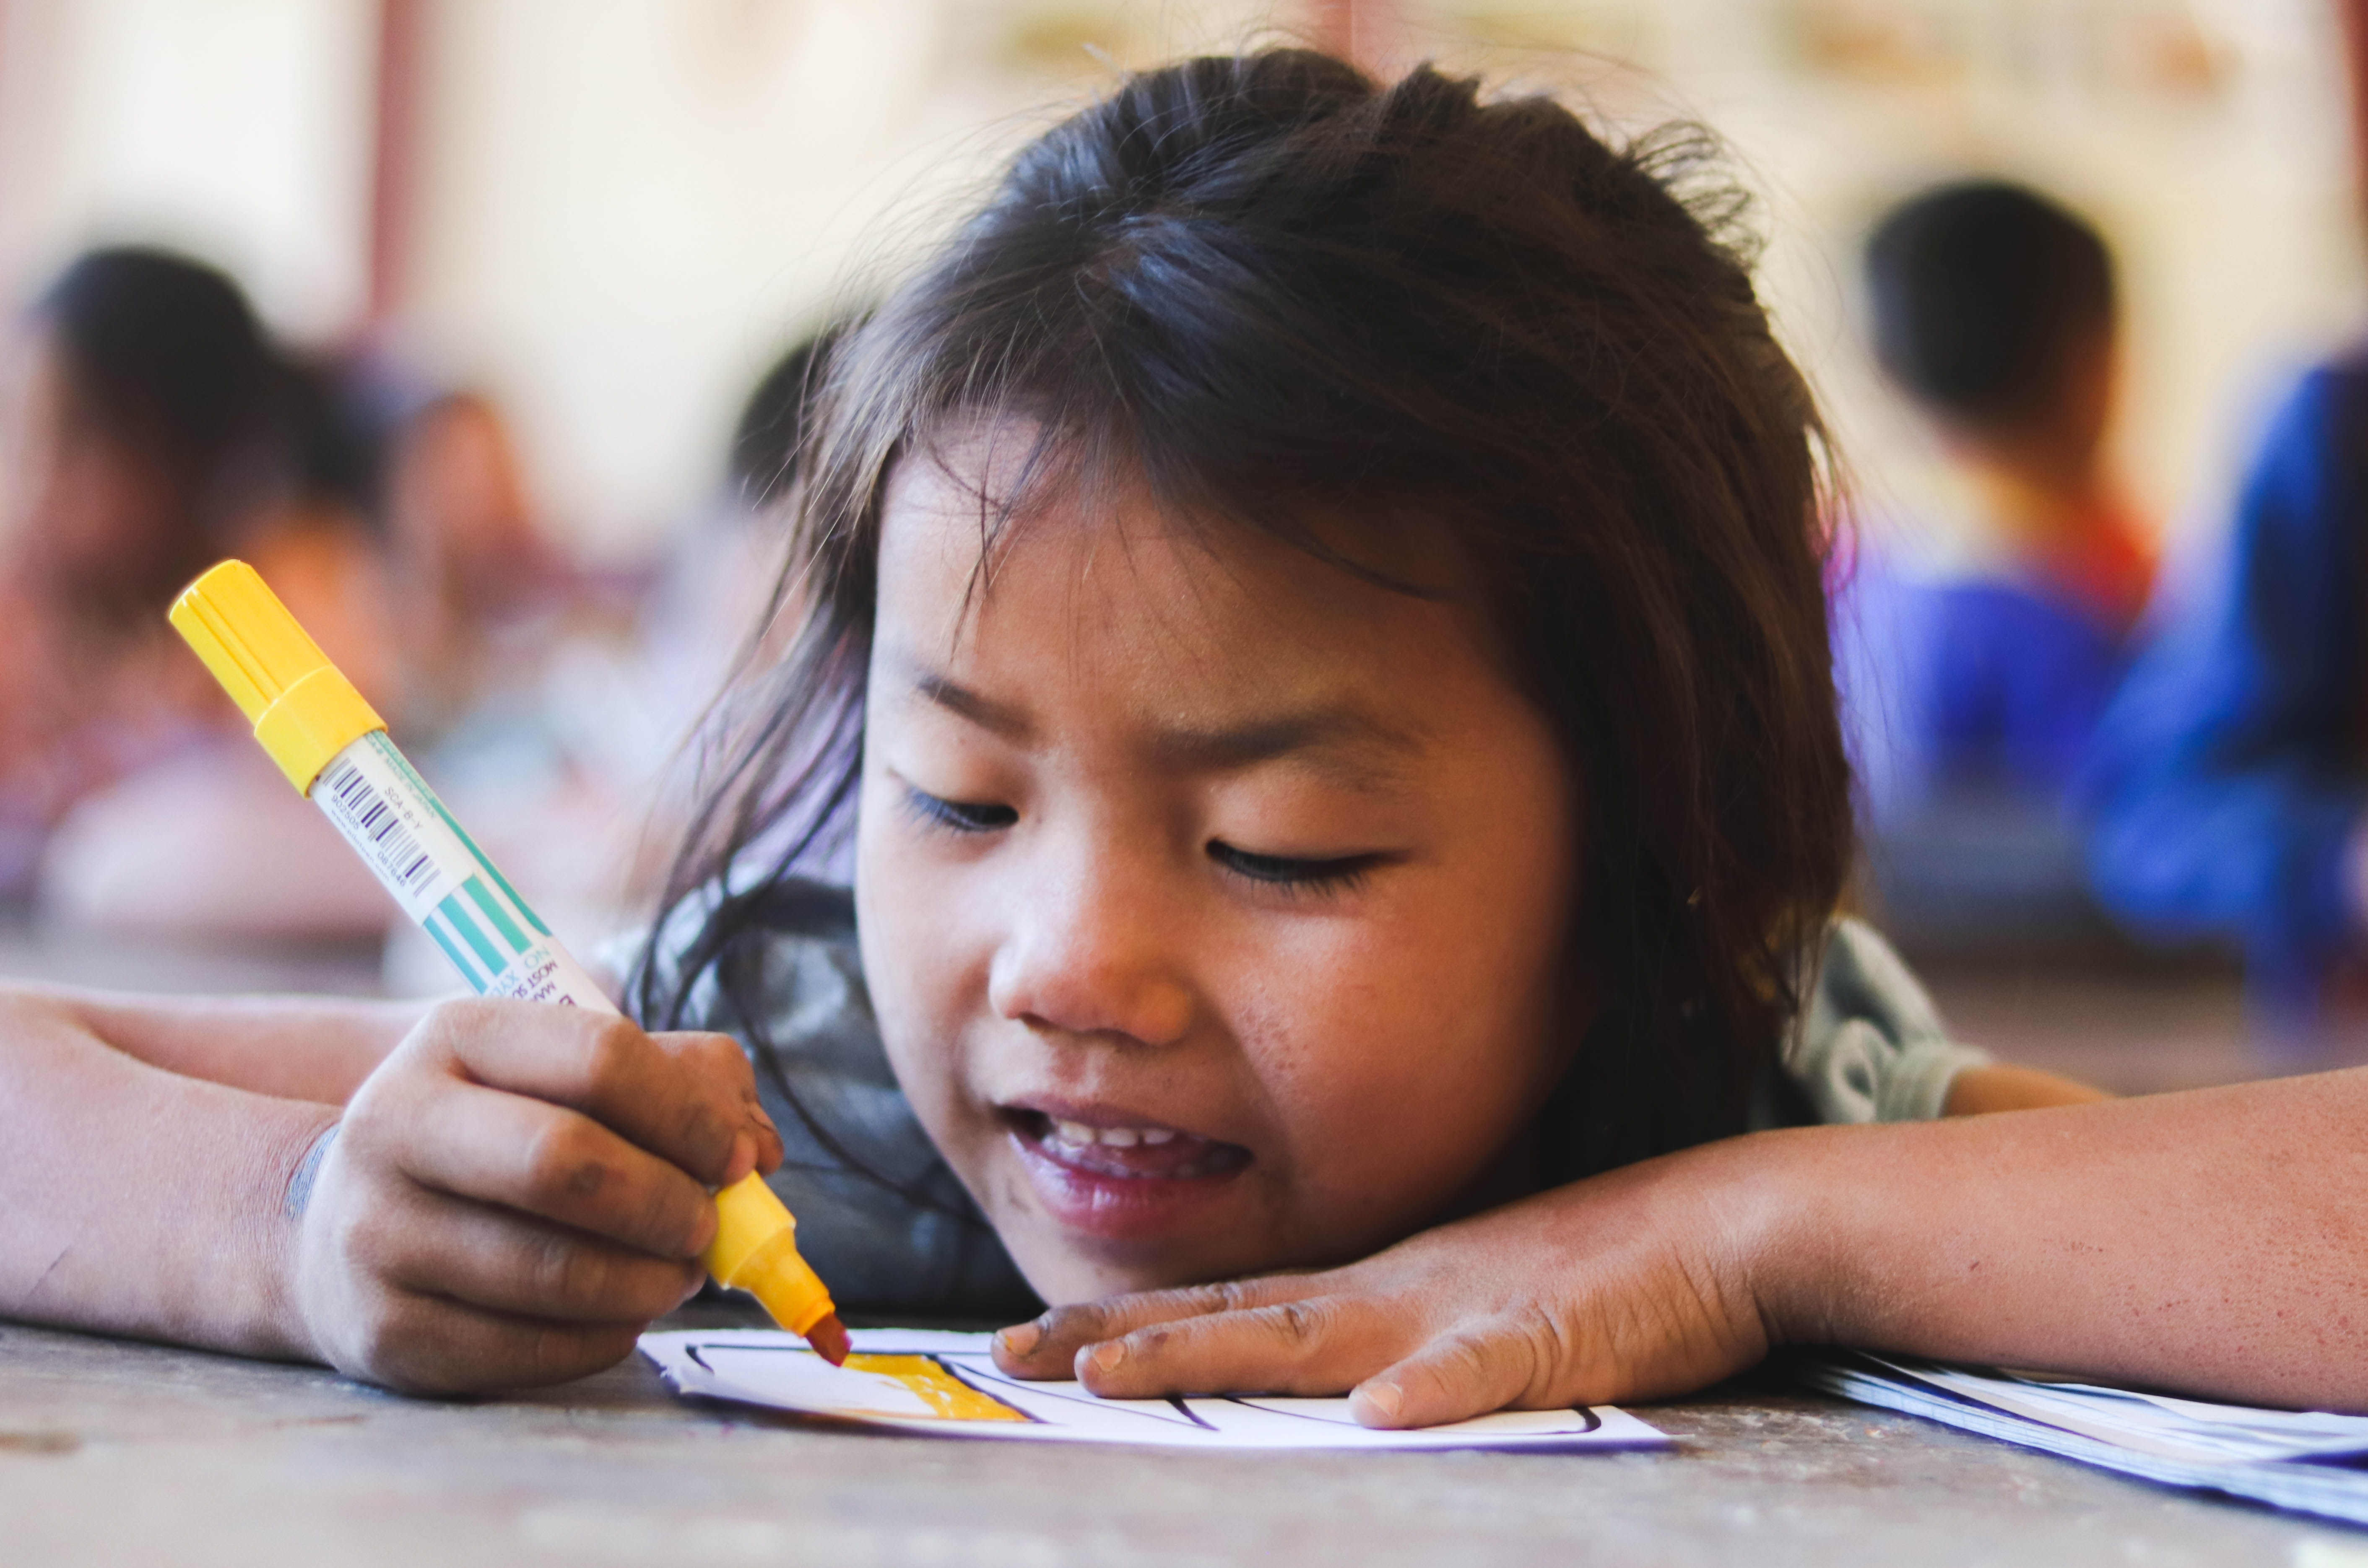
(114, 1452)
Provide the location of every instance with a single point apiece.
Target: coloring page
(947, 1385)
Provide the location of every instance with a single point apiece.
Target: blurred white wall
(629, 207)
(238, 130)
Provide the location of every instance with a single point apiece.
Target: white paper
(768, 1368)
(2153, 1424)
(2271, 1455)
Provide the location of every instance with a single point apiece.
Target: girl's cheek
(912, 913)
(1398, 1071)
(891, 926)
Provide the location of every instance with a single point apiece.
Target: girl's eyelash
(1345, 874)
(958, 816)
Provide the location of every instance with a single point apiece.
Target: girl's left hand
(1644, 1282)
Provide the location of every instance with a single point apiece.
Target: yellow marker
(334, 748)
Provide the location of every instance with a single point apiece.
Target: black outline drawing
(1251, 1401)
(975, 1379)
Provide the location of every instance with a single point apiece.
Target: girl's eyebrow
(996, 718)
(1342, 738)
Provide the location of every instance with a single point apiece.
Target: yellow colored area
(756, 1250)
(304, 711)
(952, 1399)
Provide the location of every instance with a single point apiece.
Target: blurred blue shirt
(2225, 780)
(1971, 706)
(1983, 684)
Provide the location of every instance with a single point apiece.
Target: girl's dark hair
(1280, 291)
(775, 421)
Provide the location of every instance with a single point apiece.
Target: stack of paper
(2292, 1458)
(947, 1385)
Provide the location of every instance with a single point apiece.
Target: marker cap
(304, 711)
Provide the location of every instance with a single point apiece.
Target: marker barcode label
(381, 811)
(419, 854)
(391, 850)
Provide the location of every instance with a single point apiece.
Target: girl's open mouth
(1121, 1181)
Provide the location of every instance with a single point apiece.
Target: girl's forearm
(2215, 1241)
(293, 1048)
(141, 1201)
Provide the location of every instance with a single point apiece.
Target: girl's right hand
(514, 1193)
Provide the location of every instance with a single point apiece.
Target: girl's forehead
(1097, 593)
(991, 527)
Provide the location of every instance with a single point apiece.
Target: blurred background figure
(153, 430)
(584, 776)
(466, 558)
(159, 430)
(1976, 684)
(2230, 793)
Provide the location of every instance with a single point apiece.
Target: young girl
(1311, 614)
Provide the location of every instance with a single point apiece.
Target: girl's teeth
(1085, 1137)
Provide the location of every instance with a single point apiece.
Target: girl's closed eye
(958, 816)
(1329, 875)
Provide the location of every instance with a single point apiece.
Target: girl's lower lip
(1115, 1208)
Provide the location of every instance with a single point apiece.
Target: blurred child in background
(714, 597)
(466, 559)
(2228, 793)
(562, 732)
(1975, 690)
(160, 430)
(152, 430)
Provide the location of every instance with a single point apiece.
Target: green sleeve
(1870, 1046)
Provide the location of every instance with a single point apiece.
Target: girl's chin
(1126, 1203)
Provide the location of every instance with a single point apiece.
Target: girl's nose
(1090, 954)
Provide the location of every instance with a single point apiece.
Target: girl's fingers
(1047, 1346)
(692, 1101)
(544, 1161)
(1454, 1377)
(506, 1262)
(423, 1344)
(1318, 1344)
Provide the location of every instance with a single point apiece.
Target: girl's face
(1214, 901)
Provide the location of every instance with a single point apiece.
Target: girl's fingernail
(1019, 1339)
(743, 1155)
(1386, 1399)
(1109, 1354)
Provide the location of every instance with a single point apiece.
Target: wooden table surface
(113, 1452)
(117, 1452)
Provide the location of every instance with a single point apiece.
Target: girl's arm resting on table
(2213, 1241)
(294, 1048)
(506, 1199)
(141, 1201)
